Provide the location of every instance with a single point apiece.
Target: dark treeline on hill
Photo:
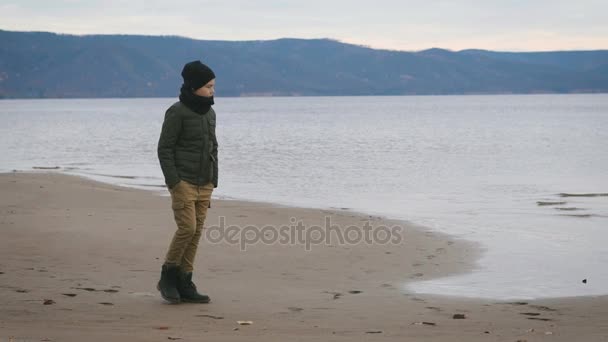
(48, 65)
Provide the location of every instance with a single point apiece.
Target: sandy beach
(79, 260)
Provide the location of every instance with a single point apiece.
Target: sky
(407, 25)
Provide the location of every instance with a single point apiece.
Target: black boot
(167, 285)
(187, 289)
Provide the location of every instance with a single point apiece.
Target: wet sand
(80, 260)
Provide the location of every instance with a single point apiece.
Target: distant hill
(44, 65)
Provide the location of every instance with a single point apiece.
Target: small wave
(72, 168)
(78, 164)
(544, 203)
(152, 185)
(46, 167)
(569, 209)
(584, 195)
(582, 215)
(112, 176)
(119, 176)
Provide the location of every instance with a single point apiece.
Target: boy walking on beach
(187, 151)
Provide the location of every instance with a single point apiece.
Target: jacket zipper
(200, 165)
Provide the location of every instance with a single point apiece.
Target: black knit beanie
(197, 74)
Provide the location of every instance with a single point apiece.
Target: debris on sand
(211, 316)
(424, 323)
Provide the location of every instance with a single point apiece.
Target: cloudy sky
(411, 25)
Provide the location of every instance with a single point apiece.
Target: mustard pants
(189, 203)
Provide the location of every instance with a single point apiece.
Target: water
(471, 166)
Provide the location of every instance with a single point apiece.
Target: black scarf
(198, 104)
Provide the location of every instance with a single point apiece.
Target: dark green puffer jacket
(187, 148)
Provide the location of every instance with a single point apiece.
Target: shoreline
(467, 250)
(541, 93)
(95, 250)
(476, 247)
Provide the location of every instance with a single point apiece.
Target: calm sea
(471, 166)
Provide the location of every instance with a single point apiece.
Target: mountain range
(49, 65)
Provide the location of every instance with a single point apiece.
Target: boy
(187, 151)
